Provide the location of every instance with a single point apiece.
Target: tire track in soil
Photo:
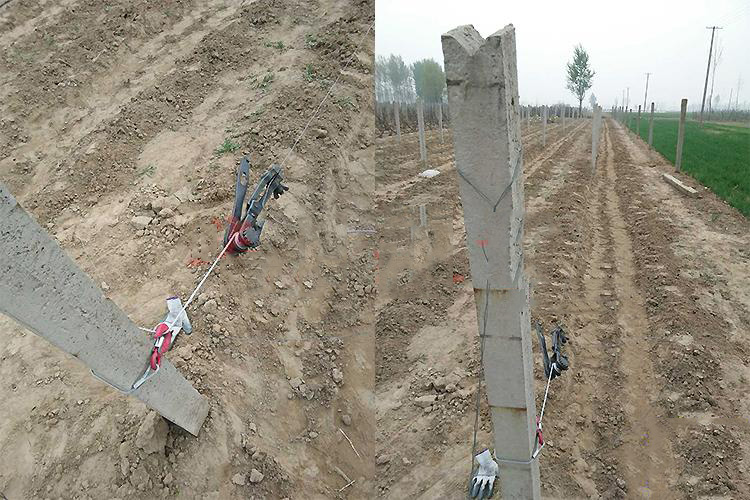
(549, 171)
(583, 418)
(646, 453)
(698, 361)
(552, 149)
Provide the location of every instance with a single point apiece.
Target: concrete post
(528, 118)
(396, 114)
(440, 119)
(596, 125)
(638, 126)
(420, 123)
(483, 94)
(544, 126)
(45, 291)
(651, 127)
(680, 135)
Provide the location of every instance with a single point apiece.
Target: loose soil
(652, 287)
(114, 111)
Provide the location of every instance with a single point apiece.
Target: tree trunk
(580, 105)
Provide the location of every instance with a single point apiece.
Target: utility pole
(708, 67)
(483, 96)
(646, 94)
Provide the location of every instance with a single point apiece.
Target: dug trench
(649, 408)
(132, 169)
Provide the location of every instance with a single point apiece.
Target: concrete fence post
(528, 118)
(544, 126)
(483, 93)
(680, 135)
(396, 115)
(422, 143)
(638, 127)
(651, 127)
(45, 291)
(440, 120)
(596, 124)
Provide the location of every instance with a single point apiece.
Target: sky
(624, 40)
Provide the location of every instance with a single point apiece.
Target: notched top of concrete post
(466, 41)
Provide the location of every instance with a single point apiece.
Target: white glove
(482, 483)
(174, 306)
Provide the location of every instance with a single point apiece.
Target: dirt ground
(111, 112)
(652, 287)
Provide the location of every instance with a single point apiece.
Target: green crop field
(717, 155)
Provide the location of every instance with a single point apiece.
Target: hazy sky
(624, 41)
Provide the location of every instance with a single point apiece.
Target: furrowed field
(716, 155)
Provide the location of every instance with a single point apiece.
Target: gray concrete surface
(43, 289)
(483, 95)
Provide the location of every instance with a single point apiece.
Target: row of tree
(396, 81)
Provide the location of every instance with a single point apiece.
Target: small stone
(295, 382)
(256, 476)
(308, 284)
(279, 285)
(253, 428)
(105, 286)
(168, 479)
(239, 479)
(210, 306)
(338, 377)
(425, 401)
(383, 459)
(346, 419)
(313, 434)
(140, 221)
